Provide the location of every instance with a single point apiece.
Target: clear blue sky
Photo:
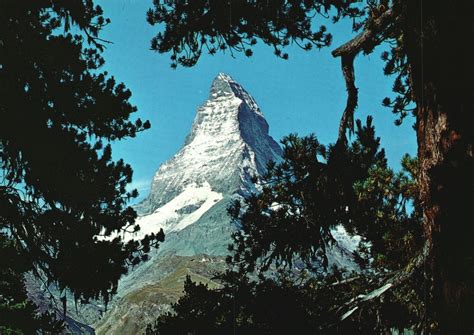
(305, 94)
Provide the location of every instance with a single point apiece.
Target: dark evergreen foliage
(194, 27)
(316, 188)
(18, 315)
(63, 199)
(288, 225)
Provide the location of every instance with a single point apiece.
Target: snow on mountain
(183, 210)
(227, 145)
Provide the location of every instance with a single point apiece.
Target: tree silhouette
(275, 283)
(432, 73)
(63, 199)
(18, 315)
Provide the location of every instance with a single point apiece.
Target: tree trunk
(437, 38)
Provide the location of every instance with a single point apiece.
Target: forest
(64, 199)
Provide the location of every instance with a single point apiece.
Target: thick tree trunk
(438, 36)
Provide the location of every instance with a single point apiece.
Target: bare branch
(347, 119)
(348, 51)
(395, 280)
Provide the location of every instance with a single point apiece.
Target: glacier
(183, 210)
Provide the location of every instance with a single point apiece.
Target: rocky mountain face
(228, 144)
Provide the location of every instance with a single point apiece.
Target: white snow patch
(349, 242)
(341, 254)
(170, 219)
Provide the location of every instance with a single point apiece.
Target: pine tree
(18, 315)
(279, 259)
(63, 200)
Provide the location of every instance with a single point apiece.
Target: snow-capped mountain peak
(227, 145)
(221, 86)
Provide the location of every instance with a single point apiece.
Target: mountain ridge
(229, 132)
(227, 145)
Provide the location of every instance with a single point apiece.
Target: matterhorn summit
(228, 144)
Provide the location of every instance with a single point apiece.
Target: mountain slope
(228, 144)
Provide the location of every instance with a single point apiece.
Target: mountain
(228, 144)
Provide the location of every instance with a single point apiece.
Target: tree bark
(435, 36)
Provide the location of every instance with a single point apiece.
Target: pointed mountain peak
(221, 86)
(227, 145)
(224, 86)
(223, 77)
(229, 107)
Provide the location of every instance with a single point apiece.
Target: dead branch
(347, 119)
(345, 281)
(394, 280)
(366, 40)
